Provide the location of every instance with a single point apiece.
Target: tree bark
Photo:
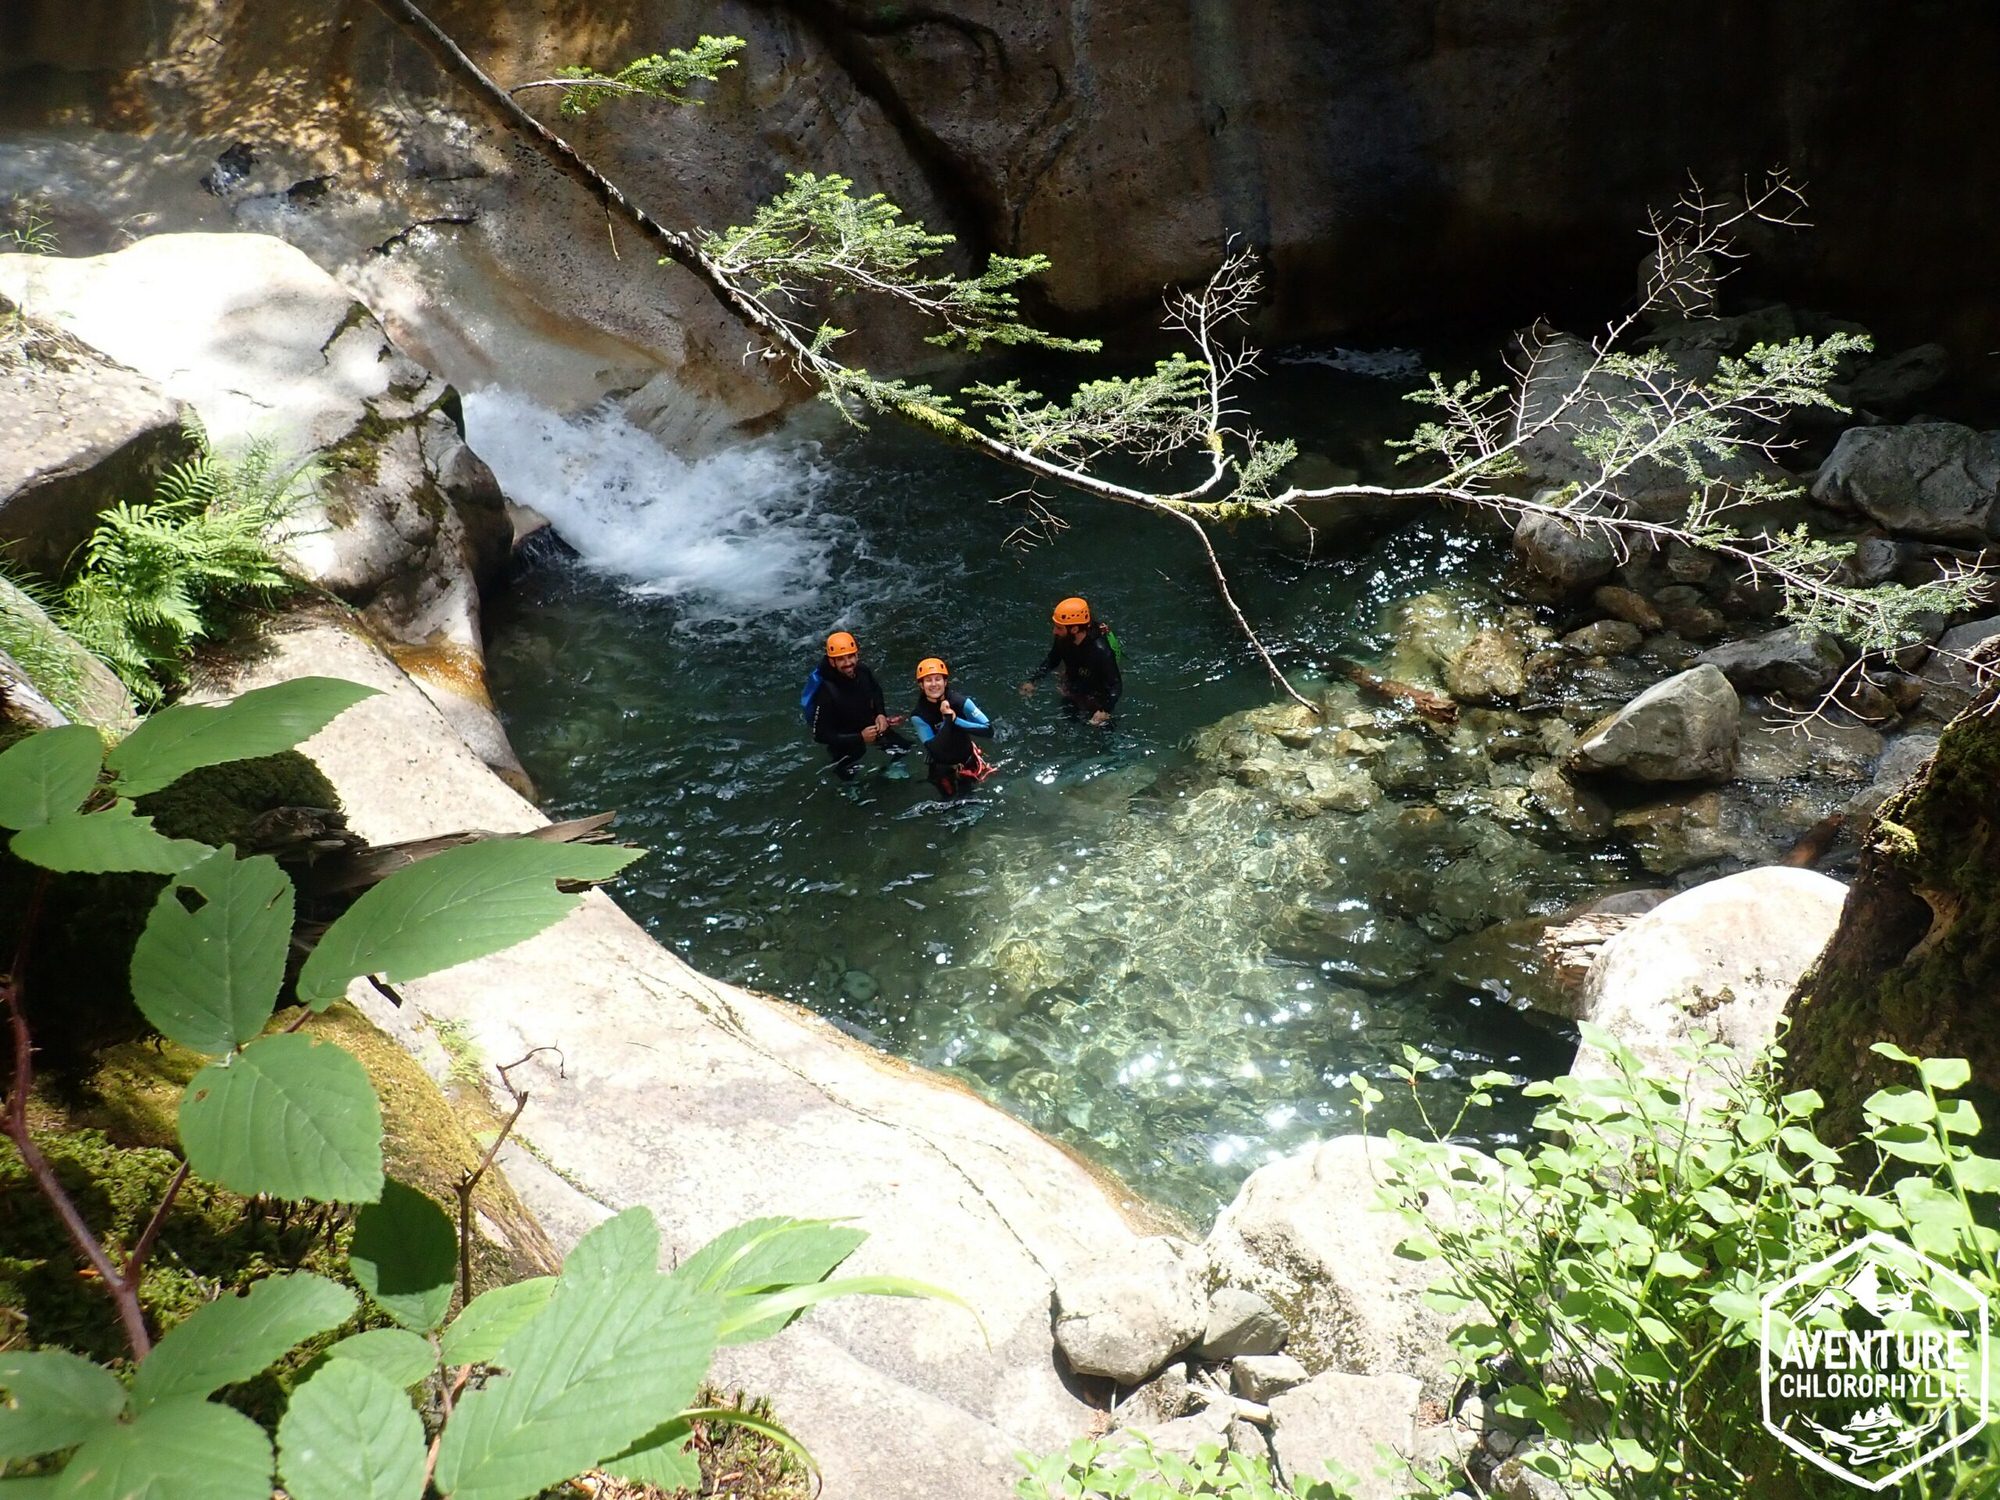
(1916, 957)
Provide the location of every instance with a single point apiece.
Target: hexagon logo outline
(1888, 1246)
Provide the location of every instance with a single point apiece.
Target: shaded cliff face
(1416, 161)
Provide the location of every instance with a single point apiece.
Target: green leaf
(1978, 1174)
(1891, 1051)
(1945, 1073)
(591, 1374)
(405, 1255)
(233, 1338)
(1673, 1263)
(453, 907)
(185, 1449)
(48, 775)
(209, 979)
(1898, 1106)
(766, 1255)
(53, 1400)
(400, 1357)
(661, 1458)
(626, 1244)
(483, 1327)
(743, 1314)
(288, 1116)
(116, 840)
(350, 1434)
(263, 721)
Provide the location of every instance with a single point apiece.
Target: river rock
(1950, 674)
(1906, 756)
(1126, 1315)
(1687, 613)
(1604, 638)
(1342, 1418)
(1628, 605)
(1689, 832)
(1491, 665)
(1164, 1398)
(1894, 383)
(78, 685)
(1935, 480)
(1241, 1322)
(1259, 1377)
(78, 432)
(1791, 660)
(1562, 553)
(1718, 962)
(1305, 1232)
(1683, 729)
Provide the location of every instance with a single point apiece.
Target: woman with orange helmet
(1086, 652)
(946, 722)
(842, 704)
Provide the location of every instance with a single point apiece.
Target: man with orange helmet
(1086, 652)
(843, 706)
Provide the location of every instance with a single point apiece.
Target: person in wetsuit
(947, 722)
(1083, 654)
(843, 705)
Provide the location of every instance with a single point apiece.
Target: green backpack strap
(1117, 651)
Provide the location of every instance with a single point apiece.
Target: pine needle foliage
(162, 575)
(664, 76)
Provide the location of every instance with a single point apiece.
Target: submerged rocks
(1935, 480)
(1715, 963)
(1683, 729)
(1126, 1315)
(1491, 665)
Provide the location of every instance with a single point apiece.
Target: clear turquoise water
(1157, 970)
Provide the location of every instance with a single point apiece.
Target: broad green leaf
(116, 840)
(48, 775)
(453, 907)
(591, 1375)
(1898, 1106)
(766, 1253)
(1673, 1263)
(31, 1487)
(350, 1434)
(484, 1325)
(233, 1338)
(662, 1459)
(1891, 1051)
(405, 1255)
(288, 1116)
(742, 1315)
(263, 721)
(185, 1449)
(400, 1357)
(209, 979)
(1978, 1174)
(1945, 1073)
(53, 1400)
(626, 1244)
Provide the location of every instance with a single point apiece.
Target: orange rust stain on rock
(457, 669)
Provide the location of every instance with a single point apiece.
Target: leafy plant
(158, 576)
(1132, 1468)
(1609, 1279)
(529, 1384)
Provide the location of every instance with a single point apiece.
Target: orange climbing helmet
(932, 664)
(839, 644)
(1073, 611)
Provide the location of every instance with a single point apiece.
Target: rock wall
(1427, 160)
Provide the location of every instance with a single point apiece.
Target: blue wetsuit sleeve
(972, 721)
(925, 734)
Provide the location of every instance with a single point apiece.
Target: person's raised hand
(871, 734)
(1100, 718)
(1027, 690)
(945, 708)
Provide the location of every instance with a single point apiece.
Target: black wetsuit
(1090, 678)
(840, 708)
(954, 757)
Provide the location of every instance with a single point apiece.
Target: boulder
(1577, 811)
(1305, 1232)
(1717, 963)
(1949, 673)
(73, 681)
(1241, 1322)
(1562, 553)
(1127, 1314)
(1259, 1377)
(1935, 480)
(1343, 1419)
(1686, 612)
(1491, 665)
(1792, 660)
(78, 433)
(1164, 1398)
(1628, 605)
(1683, 729)
(265, 346)
(1905, 756)
(1894, 383)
